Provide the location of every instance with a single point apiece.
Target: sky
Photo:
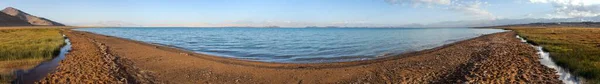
(297, 13)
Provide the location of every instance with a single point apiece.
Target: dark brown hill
(8, 20)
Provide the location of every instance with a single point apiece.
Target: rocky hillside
(14, 17)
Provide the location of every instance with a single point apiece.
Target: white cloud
(573, 8)
(581, 2)
(471, 8)
(418, 2)
(538, 1)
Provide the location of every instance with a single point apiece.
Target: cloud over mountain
(572, 8)
(498, 22)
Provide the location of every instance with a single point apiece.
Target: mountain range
(14, 17)
(500, 22)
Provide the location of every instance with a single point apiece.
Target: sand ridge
(494, 58)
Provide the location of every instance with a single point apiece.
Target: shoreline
(245, 62)
(282, 65)
(456, 62)
(261, 64)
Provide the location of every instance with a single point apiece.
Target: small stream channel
(40, 71)
(564, 74)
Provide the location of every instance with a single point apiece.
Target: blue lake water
(297, 45)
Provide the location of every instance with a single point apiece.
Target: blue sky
(296, 13)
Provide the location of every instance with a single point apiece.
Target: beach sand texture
(494, 58)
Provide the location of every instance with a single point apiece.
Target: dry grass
(7, 67)
(577, 49)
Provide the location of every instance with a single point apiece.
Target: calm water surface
(297, 45)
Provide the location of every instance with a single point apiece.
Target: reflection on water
(40, 71)
(564, 74)
(297, 45)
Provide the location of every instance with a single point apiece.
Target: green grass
(25, 48)
(18, 44)
(577, 49)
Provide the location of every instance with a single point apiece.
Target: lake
(297, 45)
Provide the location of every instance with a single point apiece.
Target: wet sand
(494, 58)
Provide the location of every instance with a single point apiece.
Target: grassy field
(25, 48)
(577, 49)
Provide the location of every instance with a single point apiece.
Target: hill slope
(31, 19)
(8, 20)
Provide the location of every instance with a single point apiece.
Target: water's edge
(40, 71)
(564, 74)
(295, 45)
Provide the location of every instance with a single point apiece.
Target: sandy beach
(494, 58)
